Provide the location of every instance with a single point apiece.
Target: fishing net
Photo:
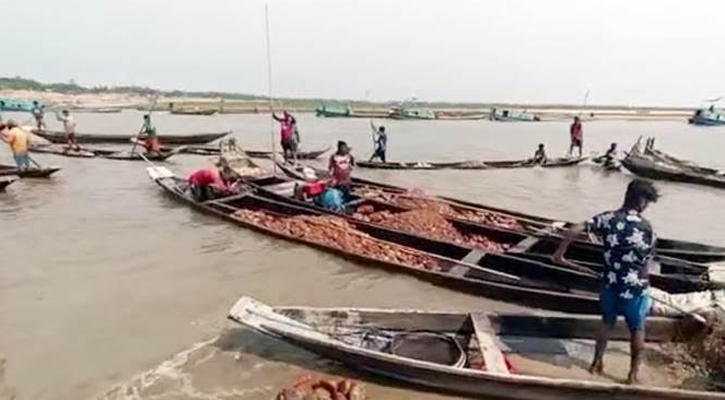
(424, 345)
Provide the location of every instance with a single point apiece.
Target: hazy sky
(625, 51)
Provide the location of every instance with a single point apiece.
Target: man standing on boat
(69, 126)
(380, 139)
(287, 128)
(340, 166)
(628, 241)
(577, 137)
(39, 114)
(151, 140)
(18, 140)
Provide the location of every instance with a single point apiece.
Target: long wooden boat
(181, 111)
(97, 110)
(250, 211)
(467, 353)
(11, 170)
(199, 138)
(486, 244)
(648, 168)
(215, 151)
(86, 152)
(472, 165)
(680, 249)
(6, 181)
(511, 115)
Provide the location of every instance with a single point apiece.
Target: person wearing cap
(287, 132)
(380, 139)
(340, 167)
(628, 240)
(18, 140)
(69, 127)
(211, 182)
(540, 157)
(38, 112)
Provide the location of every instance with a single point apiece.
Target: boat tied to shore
(472, 353)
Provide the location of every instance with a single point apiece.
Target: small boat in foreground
(11, 170)
(468, 353)
(6, 181)
(199, 138)
(472, 165)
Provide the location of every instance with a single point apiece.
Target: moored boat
(512, 115)
(708, 117)
(194, 111)
(199, 138)
(691, 251)
(469, 353)
(367, 245)
(11, 170)
(652, 169)
(17, 105)
(472, 165)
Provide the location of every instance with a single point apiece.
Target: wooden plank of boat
(477, 280)
(11, 170)
(166, 139)
(338, 333)
(691, 251)
(649, 169)
(492, 355)
(6, 181)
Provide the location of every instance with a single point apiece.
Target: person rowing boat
(540, 157)
(211, 182)
(18, 140)
(628, 241)
(380, 139)
(340, 167)
(69, 127)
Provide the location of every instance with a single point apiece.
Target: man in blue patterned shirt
(628, 242)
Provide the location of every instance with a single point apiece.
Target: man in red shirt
(210, 183)
(287, 127)
(577, 137)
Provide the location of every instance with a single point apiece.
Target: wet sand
(103, 278)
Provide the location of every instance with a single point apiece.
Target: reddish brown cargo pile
(307, 388)
(430, 223)
(336, 232)
(418, 202)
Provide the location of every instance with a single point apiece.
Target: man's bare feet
(597, 367)
(632, 379)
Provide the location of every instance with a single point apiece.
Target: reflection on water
(102, 276)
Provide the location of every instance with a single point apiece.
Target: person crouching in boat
(69, 127)
(211, 182)
(540, 155)
(628, 241)
(151, 140)
(18, 140)
(340, 167)
(318, 191)
(610, 157)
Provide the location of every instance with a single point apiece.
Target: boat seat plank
(474, 257)
(492, 355)
(459, 271)
(524, 245)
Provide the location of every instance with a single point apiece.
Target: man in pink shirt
(577, 137)
(287, 127)
(340, 167)
(209, 183)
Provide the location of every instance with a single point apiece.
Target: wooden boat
(86, 152)
(200, 138)
(510, 115)
(17, 105)
(649, 168)
(458, 275)
(708, 117)
(11, 170)
(6, 181)
(472, 165)
(496, 247)
(197, 111)
(333, 110)
(97, 110)
(663, 157)
(215, 151)
(679, 249)
(466, 353)
(409, 111)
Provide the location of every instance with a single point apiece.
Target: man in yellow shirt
(17, 138)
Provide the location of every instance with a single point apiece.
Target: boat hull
(59, 137)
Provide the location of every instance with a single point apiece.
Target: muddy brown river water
(110, 289)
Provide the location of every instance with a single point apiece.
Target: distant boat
(708, 117)
(194, 111)
(8, 104)
(333, 110)
(512, 115)
(405, 112)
